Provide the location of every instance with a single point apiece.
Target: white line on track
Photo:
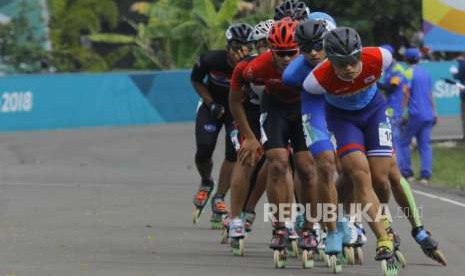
(440, 198)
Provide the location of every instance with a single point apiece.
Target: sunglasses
(286, 53)
(307, 48)
(343, 61)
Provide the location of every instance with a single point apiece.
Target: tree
(378, 22)
(175, 32)
(71, 21)
(20, 48)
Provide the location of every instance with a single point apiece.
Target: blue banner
(39, 102)
(446, 96)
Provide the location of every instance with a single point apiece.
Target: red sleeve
(237, 79)
(324, 75)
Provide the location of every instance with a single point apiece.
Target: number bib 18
(385, 134)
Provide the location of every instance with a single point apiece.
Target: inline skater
(244, 102)
(213, 112)
(280, 123)
(355, 113)
(309, 36)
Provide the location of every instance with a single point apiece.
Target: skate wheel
(195, 216)
(320, 255)
(334, 264)
(294, 252)
(384, 267)
(349, 255)
(388, 270)
(400, 258)
(241, 247)
(217, 225)
(307, 259)
(224, 236)
(358, 256)
(279, 259)
(238, 247)
(326, 260)
(439, 257)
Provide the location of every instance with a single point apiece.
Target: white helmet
(262, 29)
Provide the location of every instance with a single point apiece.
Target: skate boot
(299, 222)
(237, 235)
(321, 238)
(333, 250)
(347, 237)
(225, 234)
(292, 238)
(396, 242)
(360, 240)
(248, 217)
(278, 244)
(385, 254)
(219, 210)
(201, 198)
(428, 245)
(309, 245)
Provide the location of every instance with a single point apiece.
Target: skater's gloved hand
(250, 152)
(216, 110)
(435, 119)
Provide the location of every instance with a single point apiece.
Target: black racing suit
(213, 66)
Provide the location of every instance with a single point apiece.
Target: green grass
(448, 165)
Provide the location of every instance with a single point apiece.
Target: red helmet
(282, 34)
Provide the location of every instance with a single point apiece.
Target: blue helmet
(389, 47)
(330, 22)
(413, 54)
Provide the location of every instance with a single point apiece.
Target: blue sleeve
(296, 72)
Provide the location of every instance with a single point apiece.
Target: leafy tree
(20, 48)
(174, 33)
(389, 21)
(168, 34)
(71, 21)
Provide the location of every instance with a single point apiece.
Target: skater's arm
(236, 98)
(198, 74)
(238, 93)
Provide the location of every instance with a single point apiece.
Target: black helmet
(343, 45)
(241, 32)
(310, 32)
(297, 10)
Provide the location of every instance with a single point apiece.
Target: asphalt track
(110, 202)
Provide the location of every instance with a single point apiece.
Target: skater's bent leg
(305, 167)
(326, 167)
(203, 161)
(240, 182)
(356, 166)
(279, 178)
(404, 196)
(224, 179)
(379, 168)
(258, 189)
